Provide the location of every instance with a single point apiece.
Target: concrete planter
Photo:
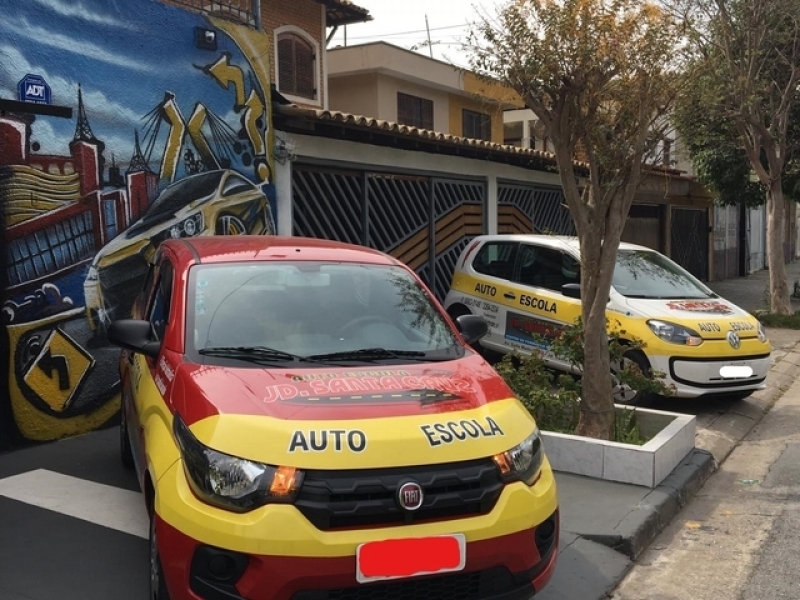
(672, 438)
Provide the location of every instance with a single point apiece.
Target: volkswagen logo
(410, 496)
(733, 340)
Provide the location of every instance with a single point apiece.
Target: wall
(82, 197)
(459, 103)
(355, 94)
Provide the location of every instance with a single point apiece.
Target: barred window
(476, 125)
(414, 111)
(51, 249)
(296, 66)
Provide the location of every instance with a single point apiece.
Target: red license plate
(394, 559)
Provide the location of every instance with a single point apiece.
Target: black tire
(637, 357)
(125, 450)
(158, 587)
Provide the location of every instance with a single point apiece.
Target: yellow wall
(459, 103)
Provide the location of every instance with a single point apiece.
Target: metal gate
(421, 220)
(526, 209)
(726, 242)
(689, 237)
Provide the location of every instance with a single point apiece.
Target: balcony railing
(241, 11)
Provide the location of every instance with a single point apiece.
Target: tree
(600, 75)
(750, 54)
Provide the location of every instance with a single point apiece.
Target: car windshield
(338, 312)
(646, 274)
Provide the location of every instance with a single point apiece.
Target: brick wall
(304, 14)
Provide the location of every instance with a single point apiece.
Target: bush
(553, 398)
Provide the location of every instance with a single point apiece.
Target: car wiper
(372, 354)
(253, 353)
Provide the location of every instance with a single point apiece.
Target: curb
(641, 526)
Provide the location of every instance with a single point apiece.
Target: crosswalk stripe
(105, 505)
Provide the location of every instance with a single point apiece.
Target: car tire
(628, 396)
(125, 450)
(158, 587)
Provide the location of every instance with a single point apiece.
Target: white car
(528, 286)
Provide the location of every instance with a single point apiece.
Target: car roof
(552, 241)
(252, 248)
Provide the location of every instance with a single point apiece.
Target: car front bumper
(511, 551)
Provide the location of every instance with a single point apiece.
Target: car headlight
(674, 333)
(524, 461)
(189, 227)
(230, 482)
(762, 333)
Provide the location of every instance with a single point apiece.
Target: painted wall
(167, 139)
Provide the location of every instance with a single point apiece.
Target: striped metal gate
(689, 237)
(527, 209)
(421, 220)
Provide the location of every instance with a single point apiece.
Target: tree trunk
(778, 289)
(597, 268)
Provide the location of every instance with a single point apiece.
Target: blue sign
(33, 88)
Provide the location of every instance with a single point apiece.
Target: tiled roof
(391, 127)
(344, 12)
(514, 154)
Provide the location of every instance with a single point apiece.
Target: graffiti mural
(169, 137)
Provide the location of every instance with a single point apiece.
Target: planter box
(672, 438)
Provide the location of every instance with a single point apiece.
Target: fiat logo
(733, 340)
(410, 496)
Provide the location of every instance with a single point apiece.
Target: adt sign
(33, 88)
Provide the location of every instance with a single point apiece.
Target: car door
(488, 286)
(155, 302)
(539, 308)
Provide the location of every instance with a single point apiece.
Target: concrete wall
(150, 108)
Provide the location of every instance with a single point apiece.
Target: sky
(402, 23)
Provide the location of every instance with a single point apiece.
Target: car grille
(460, 586)
(351, 499)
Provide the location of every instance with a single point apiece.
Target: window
(414, 111)
(296, 66)
(496, 259)
(476, 125)
(159, 311)
(547, 268)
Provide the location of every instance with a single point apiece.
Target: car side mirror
(135, 335)
(472, 327)
(571, 290)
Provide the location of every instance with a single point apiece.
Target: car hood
(367, 417)
(712, 318)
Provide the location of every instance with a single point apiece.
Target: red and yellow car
(307, 423)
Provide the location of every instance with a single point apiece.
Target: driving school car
(307, 423)
(527, 287)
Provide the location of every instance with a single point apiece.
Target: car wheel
(230, 225)
(158, 587)
(125, 450)
(624, 394)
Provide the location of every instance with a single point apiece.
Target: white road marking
(96, 503)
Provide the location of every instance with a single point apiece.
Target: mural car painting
(77, 218)
(213, 203)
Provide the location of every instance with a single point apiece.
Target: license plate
(735, 371)
(395, 559)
